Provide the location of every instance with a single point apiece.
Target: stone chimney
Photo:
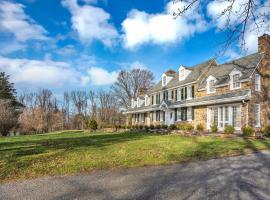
(264, 43)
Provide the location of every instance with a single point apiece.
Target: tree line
(41, 111)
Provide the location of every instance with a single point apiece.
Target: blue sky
(82, 44)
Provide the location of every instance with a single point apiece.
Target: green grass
(68, 152)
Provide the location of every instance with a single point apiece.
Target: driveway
(241, 177)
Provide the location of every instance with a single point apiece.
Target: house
(235, 93)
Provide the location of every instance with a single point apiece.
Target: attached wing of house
(209, 93)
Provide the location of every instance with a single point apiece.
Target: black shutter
(192, 91)
(175, 114)
(185, 93)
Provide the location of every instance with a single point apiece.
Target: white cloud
(14, 20)
(38, 73)
(12, 46)
(91, 23)
(140, 27)
(137, 65)
(100, 76)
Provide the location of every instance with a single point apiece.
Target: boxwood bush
(248, 131)
(214, 128)
(199, 127)
(229, 129)
(172, 127)
(266, 131)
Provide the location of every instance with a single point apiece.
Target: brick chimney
(264, 43)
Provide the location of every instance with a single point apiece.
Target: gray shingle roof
(196, 71)
(207, 100)
(238, 93)
(245, 65)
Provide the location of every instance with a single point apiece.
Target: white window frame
(208, 81)
(146, 100)
(235, 72)
(257, 82)
(257, 115)
(222, 119)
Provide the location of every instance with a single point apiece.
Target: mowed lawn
(68, 152)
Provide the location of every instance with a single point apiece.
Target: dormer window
(235, 79)
(211, 84)
(145, 100)
(183, 73)
(164, 81)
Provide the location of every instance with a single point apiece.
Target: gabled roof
(197, 71)
(245, 65)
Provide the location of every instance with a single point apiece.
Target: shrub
(136, 126)
(128, 127)
(214, 128)
(185, 126)
(229, 129)
(200, 127)
(141, 127)
(172, 127)
(146, 127)
(266, 131)
(189, 127)
(152, 126)
(164, 126)
(92, 124)
(181, 126)
(248, 131)
(158, 126)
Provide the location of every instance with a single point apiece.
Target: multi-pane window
(211, 86)
(257, 82)
(157, 115)
(235, 81)
(257, 115)
(164, 81)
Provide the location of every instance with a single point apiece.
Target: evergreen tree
(7, 90)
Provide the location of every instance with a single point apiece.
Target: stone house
(234, 93)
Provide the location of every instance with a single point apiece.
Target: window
(182, 93)
(157, 115)
(181, 74)
(165, 95)
(164, 81)
(235, 81)
(257, 115)
(211, 86)
(176, 94)
(145, 100)
(257, 82)
(172, 94)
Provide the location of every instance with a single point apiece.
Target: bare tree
(130, 83)
(79, 99)
(93, 104)
(240, 17)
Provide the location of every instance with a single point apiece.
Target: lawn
(68, 152)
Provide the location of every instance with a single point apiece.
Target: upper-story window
(257, 82)
(211, 85)
(163, 80)
(182, 74)
(235, 79)
(146, 100)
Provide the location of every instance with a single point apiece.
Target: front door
(169, 117)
